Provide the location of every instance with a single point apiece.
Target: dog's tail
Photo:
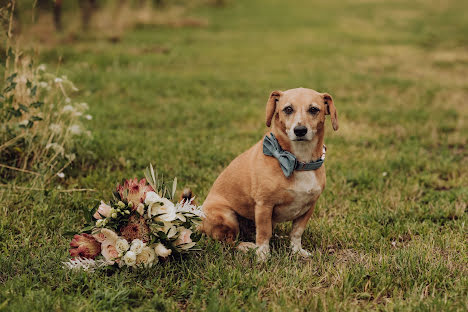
(186, 196)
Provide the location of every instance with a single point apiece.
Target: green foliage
(41, 130)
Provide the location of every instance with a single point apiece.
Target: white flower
(121, 245)
(84, 106)
(88, 117)
(58, 80)
(384, 174)
(141, 209)
(61, 175)
(41, 67)
(164, 208)
(68, 109)
(137, 246)
(56, 147)
(129, 258)
(151, 198)
(55, 128)
(75, 129)
(189, 207)
(43, 84)
(162, 251)
(70, 157)
(146, 257)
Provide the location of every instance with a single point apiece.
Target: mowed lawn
(390, 230)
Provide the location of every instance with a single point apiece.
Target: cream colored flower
(75, 129)
(55, 128)
(146, 257)
(103, 211)
(68, 109)
(151, 198)
(141, 209)
(121, 245)
(162, 251)
(164, 208)
(130, 258)
(84, 106)
(56, 147)
(137, 246)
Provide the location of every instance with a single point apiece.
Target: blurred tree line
(27, 11)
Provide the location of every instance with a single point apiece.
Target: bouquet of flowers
(139, 226)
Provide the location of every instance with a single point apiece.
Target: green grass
(389, 232)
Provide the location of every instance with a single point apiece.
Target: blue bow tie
(288, 161)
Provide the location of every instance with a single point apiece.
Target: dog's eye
(288, 110)
(314, 110)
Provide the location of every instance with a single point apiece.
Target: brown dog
(254, 186)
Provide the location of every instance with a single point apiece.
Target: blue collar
(288, 161)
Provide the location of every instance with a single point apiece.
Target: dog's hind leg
(220, 222)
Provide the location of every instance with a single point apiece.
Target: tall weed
(41, 126)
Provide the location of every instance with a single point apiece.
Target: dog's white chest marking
(304, 190)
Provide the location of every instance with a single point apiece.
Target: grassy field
(389, 232)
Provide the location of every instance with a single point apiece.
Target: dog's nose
(300, 131)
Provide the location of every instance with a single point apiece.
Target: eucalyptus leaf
(87, 228)
(152, 172)
(69, 233)
(12, 86)
(36, 118)
(33, 91)
(12, 76)
(23, 107)
(171, 232)
(187, 246)
(37, 104)
(174, 187)
(181, 217)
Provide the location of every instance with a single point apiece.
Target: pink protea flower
(134, 191)
(85, 246)
(136, 229)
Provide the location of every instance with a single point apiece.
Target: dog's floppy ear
(330, 110)
(271, 106)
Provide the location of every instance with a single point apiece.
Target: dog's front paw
(301, 252)
(246, 246)
(263, 253)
